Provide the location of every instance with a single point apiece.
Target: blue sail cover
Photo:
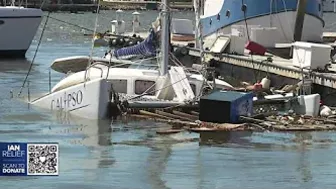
(145, 48)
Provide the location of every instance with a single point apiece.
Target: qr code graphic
(42, 159)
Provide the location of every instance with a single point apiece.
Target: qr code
(42, 159)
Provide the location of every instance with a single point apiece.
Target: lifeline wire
(93, 38)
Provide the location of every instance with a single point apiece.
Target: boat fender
(113, 42)
(257, 86)
(325, 111)
(130, 43)
(265, 82)
(120, 41)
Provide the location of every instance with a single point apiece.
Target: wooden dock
(281, 71)
(67, 7)
(144, 5)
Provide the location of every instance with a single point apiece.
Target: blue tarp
(145, 48)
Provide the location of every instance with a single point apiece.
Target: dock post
(136, 22)
(300, 14)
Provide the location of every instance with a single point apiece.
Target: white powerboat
(18, 26)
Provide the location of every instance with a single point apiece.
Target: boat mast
(164, 37)
(198, 33)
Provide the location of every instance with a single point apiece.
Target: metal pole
(198, 30)
(49, 80)
(28, 91)
(164, 37)
(300, 14)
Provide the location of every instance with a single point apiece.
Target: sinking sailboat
(92, 92)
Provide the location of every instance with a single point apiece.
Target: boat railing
(94, 65)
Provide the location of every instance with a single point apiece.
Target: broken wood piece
(257, 126)
(327, 121)
(175, 123)
(251, 120)
(222, 126)
(153, 114)
(192, 117)
(168, 131)
(194, 113)
(172, 115)
(263, 115)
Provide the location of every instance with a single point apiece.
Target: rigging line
(93, 38)
(244, 8)
(199, 40)
(33, 60)
(69, 23)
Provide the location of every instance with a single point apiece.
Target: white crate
(267, 36)
(237, 45)
(311, 55)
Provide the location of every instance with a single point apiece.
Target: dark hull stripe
(16, 17)
(13, 53)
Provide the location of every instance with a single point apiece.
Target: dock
(280, 70)
(143, 5)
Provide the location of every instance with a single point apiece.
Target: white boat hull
(18, 27)
(284, 22)
(89, 100)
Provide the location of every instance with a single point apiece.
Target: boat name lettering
(68, 100)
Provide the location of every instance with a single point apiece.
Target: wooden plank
(172, 115)
(194, 113)
(169, 121)
(168, 131)
(143, 112)
(185, 115)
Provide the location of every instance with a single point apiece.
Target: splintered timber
(68, 100)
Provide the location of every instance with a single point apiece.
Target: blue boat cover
(145, 48)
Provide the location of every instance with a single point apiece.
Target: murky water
(133, 156)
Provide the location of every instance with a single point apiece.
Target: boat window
(142, 86)
(119, 85)
(319, 7)
(2, 22)
(228, 13)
